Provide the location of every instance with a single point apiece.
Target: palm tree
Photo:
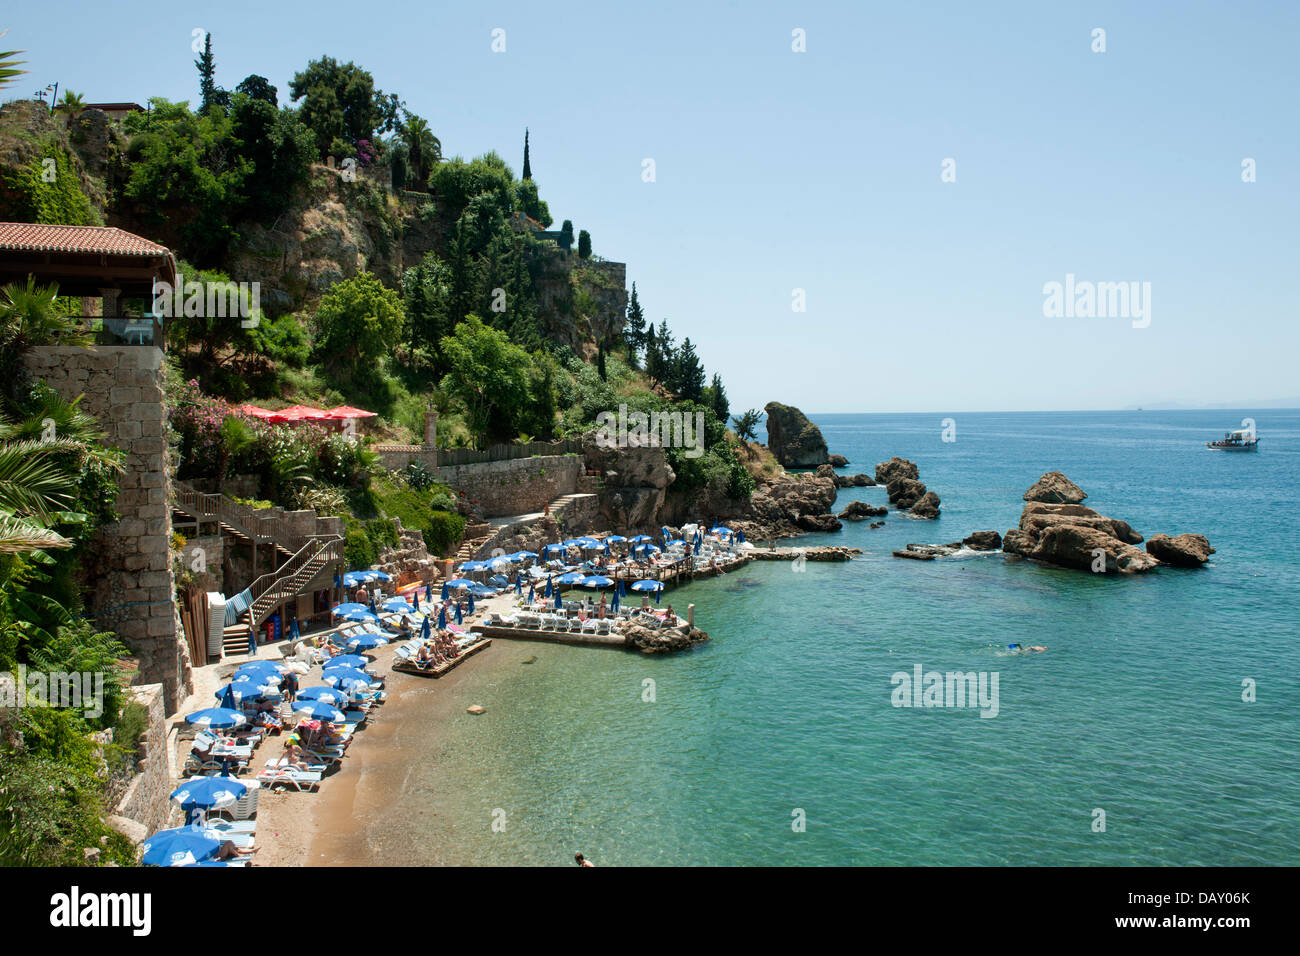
(29, 316)
(42, 461)
(9, 67)
(72, 104)
(423, 148)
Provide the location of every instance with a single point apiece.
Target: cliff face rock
(794, 440)
(789, 505)
(1055, 488)
(635, 480)
(326, 237)
(1183, 550)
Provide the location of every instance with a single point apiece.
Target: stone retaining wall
(133, 583)
(146, 802)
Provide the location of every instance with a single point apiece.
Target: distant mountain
(1293, 402)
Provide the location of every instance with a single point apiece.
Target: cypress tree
(634, 327)
(528, 170)
(584, 244)
(207, 66)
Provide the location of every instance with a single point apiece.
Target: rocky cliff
(795, 441)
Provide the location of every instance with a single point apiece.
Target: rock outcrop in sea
(663, 640)
(1055, 528)
(793, 439)
(906, 491)
(788, 505)
(1183, 550)
(861, 511)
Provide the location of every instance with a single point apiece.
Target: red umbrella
(301, 413)
(256, 412)
(347, 411)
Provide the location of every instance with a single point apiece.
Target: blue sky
(820, 171)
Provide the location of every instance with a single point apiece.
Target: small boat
(1241, 439)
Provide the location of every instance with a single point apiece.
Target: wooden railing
(248, 520)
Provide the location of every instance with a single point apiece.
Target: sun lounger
(296, 779)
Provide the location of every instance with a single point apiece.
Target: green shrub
(444, 530)
(50, 812)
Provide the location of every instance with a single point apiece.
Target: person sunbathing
(228, 851)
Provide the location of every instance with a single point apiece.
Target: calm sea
(1135, 709)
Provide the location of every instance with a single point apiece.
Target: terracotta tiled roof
(102, 240)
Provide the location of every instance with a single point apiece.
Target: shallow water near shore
(1134, 709)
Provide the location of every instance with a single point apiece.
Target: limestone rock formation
(838, 461)
(794, 440)
(905, 492)
(859, 480)
(790, 504)
(635, 481)
(1055, 488)
(1183, 550)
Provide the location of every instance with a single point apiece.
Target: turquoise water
(1135, 708)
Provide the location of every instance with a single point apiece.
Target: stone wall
(513, 487)
(145, 806)
(133, 587)
(212, 578)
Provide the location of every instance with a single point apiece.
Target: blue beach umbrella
(442, 618)
(324, 694)
(559, 604)
(373, 610)
(614, 539)
(615, 602)
(208, 793)
(346, 608)
(445, 593)
(339, 676)
(231, 694)
(459, 583)
(597, 581)
(522, 555)
(362, 617)
(366, 642)
(698, 544)
(519, 584)
(397, 604)
(572, 577)
(550, 589)
(425, 629)
(271, 669)
(471, 603)
(381, 575)
(293, 630)
(318, 710)
(471, 566)
(647, 585)
(347, 660)
(428, 593)
(221, 718)
(460, 618)
(640, 538)
(179, 847)
(673, 543)
(740, 537)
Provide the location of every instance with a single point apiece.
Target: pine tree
(653, 365)
(600, 362)
(634, 328)
(690, 373)
(207, 66)
(528, 170)
(718, 399)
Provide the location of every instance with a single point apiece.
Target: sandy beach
(342, 823)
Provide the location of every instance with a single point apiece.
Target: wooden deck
(550, 637)
(438, 671)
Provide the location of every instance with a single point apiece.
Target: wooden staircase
(310, 556)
